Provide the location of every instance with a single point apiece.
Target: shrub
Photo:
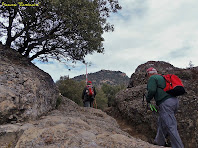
(58, 102)
(101, 99)
(111, 91)
(71, 89)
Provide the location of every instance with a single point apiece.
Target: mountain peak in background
(105, 76)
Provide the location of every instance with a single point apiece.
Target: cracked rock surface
(26, 92)
(70, 126)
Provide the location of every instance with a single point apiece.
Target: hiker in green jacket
(168, 105)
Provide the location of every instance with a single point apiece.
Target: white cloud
(57, 69)
(144, 30)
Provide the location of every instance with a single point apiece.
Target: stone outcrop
(138, 78)
(130, 106)
(69, 126)
(26, 92)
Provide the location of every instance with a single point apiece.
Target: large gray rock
(138, 78)
(130, 107)
(70, 126)
(26, 92)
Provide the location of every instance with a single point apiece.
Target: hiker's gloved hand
(152, 107)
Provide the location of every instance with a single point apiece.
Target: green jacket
(155, 86)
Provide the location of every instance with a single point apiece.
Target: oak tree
(57, 29)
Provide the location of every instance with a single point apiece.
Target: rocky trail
(70, 126)
(127, 126)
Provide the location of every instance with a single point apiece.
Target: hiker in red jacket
(168, 105)
(88, 95)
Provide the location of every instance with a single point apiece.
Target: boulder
(139, 78)
(26, 92)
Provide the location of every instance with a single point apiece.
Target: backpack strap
(164, 79)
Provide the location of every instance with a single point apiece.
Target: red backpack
(174, 85)
(90, 91)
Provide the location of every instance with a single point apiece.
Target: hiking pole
(143, 100)
(86, 73)
(95, 103)
(144, 96)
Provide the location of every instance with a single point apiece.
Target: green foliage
(110, 92)
(58, 102)
(106, 95)
(101, 99)
(71, 89)
(57, 29)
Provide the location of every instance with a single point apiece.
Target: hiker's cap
(89, 82)
(151, 70)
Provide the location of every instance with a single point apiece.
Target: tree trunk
(9, 28)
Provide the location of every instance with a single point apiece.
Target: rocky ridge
(105, 76)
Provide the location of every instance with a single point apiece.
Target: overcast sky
(145, 30)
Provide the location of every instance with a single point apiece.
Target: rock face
(26, 92)
(139, 78)
(130, 107)
(69, 126)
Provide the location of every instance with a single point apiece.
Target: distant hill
(105, 76)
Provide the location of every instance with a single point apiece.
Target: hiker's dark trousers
(167, 124)
(88, 104)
